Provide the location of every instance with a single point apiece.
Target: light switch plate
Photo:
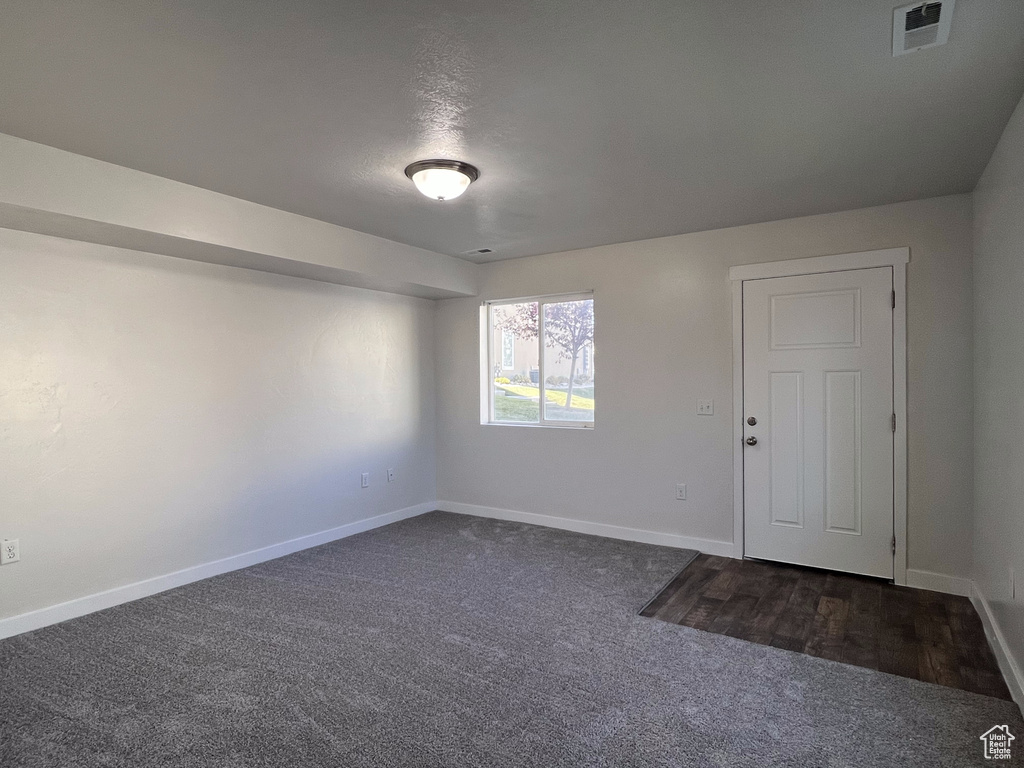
(705, 407)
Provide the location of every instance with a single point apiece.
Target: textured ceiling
(591, 122)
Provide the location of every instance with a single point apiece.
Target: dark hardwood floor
(858, 620)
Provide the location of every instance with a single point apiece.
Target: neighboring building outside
(515, 356)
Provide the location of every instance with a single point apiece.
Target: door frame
(897, 259)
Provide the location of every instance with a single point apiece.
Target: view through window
(541, 360)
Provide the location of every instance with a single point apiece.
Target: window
(540, 361)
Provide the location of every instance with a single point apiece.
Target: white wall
(157, 413)
(999, 384)
(664, 337)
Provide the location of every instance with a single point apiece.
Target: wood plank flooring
(858, 620)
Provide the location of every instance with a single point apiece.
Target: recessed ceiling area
(590, 124)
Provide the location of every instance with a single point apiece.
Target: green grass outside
(514, 409)
(523, 404)
(556, 396)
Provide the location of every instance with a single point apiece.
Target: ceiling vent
(478, 252)
(921, 25)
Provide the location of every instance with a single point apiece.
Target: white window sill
(589, 427)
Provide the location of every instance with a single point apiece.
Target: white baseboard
(939, 582)
(707, 546)
(54, 614)
(1007, 663)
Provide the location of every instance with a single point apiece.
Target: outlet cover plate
(10, 551)
(681, 491)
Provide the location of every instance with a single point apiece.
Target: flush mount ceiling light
(442, 179)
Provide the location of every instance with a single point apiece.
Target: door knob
(751, 440)
(751, 421)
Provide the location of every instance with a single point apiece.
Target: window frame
(492, 356)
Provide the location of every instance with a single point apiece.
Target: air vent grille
(477, 255)
(921, 25)
(928, 13)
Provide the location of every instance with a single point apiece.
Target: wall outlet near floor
(391, 474)
(681, 491)
(705, 407)
(10, 551)
(364, 480)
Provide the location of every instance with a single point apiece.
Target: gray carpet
(454, 641)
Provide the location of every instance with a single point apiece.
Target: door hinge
(894, 423)
(894, 545)
(894, 299)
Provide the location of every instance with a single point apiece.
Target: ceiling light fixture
(442, 179)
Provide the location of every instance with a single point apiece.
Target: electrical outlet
(705, 407)
(364, 480)
(681, 491)
(10, 551)
(391, 474)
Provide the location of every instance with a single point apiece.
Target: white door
(818, 420)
